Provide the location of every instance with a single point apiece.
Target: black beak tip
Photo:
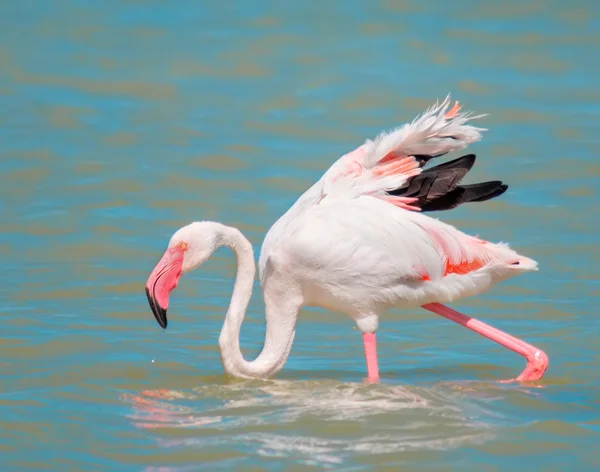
(159, 312)
(161, 317)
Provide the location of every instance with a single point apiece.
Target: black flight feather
(437, 188)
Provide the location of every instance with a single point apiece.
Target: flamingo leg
(537, 360)
(371, 356)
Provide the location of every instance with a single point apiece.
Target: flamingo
(359, 242)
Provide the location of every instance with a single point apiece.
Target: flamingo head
(189, 247)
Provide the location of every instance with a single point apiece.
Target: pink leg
(371, 356)
(537, 360)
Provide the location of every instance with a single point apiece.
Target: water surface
(123, 121)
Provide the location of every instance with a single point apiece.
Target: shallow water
(123, 121)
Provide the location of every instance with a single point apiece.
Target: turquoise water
(123, 121)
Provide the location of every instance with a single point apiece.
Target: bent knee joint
(368, 324)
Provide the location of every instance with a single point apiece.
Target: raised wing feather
(388, 161)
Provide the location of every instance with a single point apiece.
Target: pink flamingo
(357, 242)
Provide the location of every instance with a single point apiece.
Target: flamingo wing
(391, 167)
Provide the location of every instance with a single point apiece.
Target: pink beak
(162, 280)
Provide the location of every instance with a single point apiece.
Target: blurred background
(123, 120)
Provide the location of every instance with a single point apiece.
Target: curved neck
(280, 316)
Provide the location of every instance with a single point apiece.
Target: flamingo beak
(162, 280)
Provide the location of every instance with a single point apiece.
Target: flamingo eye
(183, 245)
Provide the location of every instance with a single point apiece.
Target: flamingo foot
(536, 367)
